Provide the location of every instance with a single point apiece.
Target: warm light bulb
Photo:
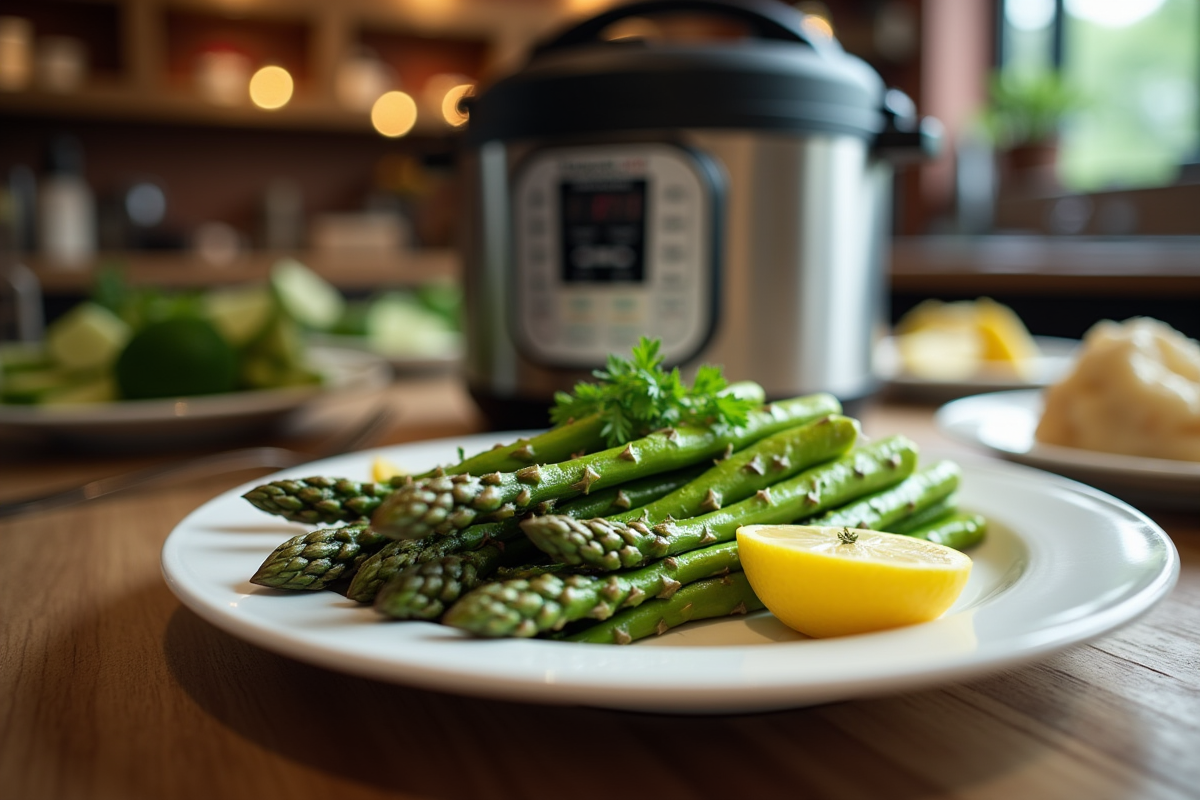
(451, 110)
(818, 26)
(394, 114)
(271, 88)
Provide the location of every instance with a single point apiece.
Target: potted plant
(1023, 119)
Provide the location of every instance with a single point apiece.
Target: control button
(674, 281)
(627, 310)
(674, 223)
(673, 254)
(581, 310)
(537, 226)
(536, 199)
(580, 336)
(675, 193)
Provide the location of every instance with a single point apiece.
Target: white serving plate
(1062, 564)
(1003, 423)
(1051, 365)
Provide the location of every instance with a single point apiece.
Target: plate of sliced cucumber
(132, 366)
(169, 422)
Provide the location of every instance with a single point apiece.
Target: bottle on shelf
(66, 207)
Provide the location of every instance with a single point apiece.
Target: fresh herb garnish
(636, 396)
(847, 536)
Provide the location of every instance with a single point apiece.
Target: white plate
(183, 420)
(1051, 365)
(1062, 564)
(1004, 423)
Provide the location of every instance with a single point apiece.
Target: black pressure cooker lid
(780, 79)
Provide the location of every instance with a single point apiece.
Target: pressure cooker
(728, 197)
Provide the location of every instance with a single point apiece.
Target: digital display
(603, 231)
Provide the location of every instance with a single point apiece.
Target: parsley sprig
(637, 396)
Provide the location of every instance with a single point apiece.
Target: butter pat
(1135, 389)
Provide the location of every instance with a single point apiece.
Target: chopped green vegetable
(305, 296)
(87, 337)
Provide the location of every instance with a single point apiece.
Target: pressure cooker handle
(906, 137)
(768, 19)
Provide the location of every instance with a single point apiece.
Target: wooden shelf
(151, 84)
(121, 103)
(1163, 266)
(348, 271)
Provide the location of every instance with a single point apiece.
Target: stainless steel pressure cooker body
(729, 198)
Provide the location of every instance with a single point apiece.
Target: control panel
(613, 242)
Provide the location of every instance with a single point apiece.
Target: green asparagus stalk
(569, 440)
(423, 591)
(318, 500)
(958, 530)
(314, 560)
(881, 510)
(557, 444)
(923, 516)
(752, 469)
(442, 505)
(527, 607)
(395, 556)
(608, 545)
(706, 599)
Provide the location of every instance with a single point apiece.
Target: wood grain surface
(109, 688)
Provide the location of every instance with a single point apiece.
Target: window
(1135, 65)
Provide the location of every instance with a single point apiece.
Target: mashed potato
(1135, 389)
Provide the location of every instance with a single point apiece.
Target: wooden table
(110, 688)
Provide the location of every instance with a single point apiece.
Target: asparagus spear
(527, 607)
(423, 591)
(556, 444)
(608, 545)
(314, 560)
(444, 504)
(881, 510)
(923, 516)
(752, 469)
(329, 500)
(321, 500)
(958, 530)
(714, 597)
(396, 556)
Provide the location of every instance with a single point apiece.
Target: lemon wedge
(383, 470)
(839, 581)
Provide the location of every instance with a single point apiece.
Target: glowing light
(1113, 13)
(394, 114)
(271, 88)
(818, 26)
(587, 6)
(452, 112)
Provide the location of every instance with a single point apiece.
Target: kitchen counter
(110, 688)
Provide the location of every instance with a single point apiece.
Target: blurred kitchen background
(192, 143)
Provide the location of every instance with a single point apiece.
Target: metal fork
(214, 463)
